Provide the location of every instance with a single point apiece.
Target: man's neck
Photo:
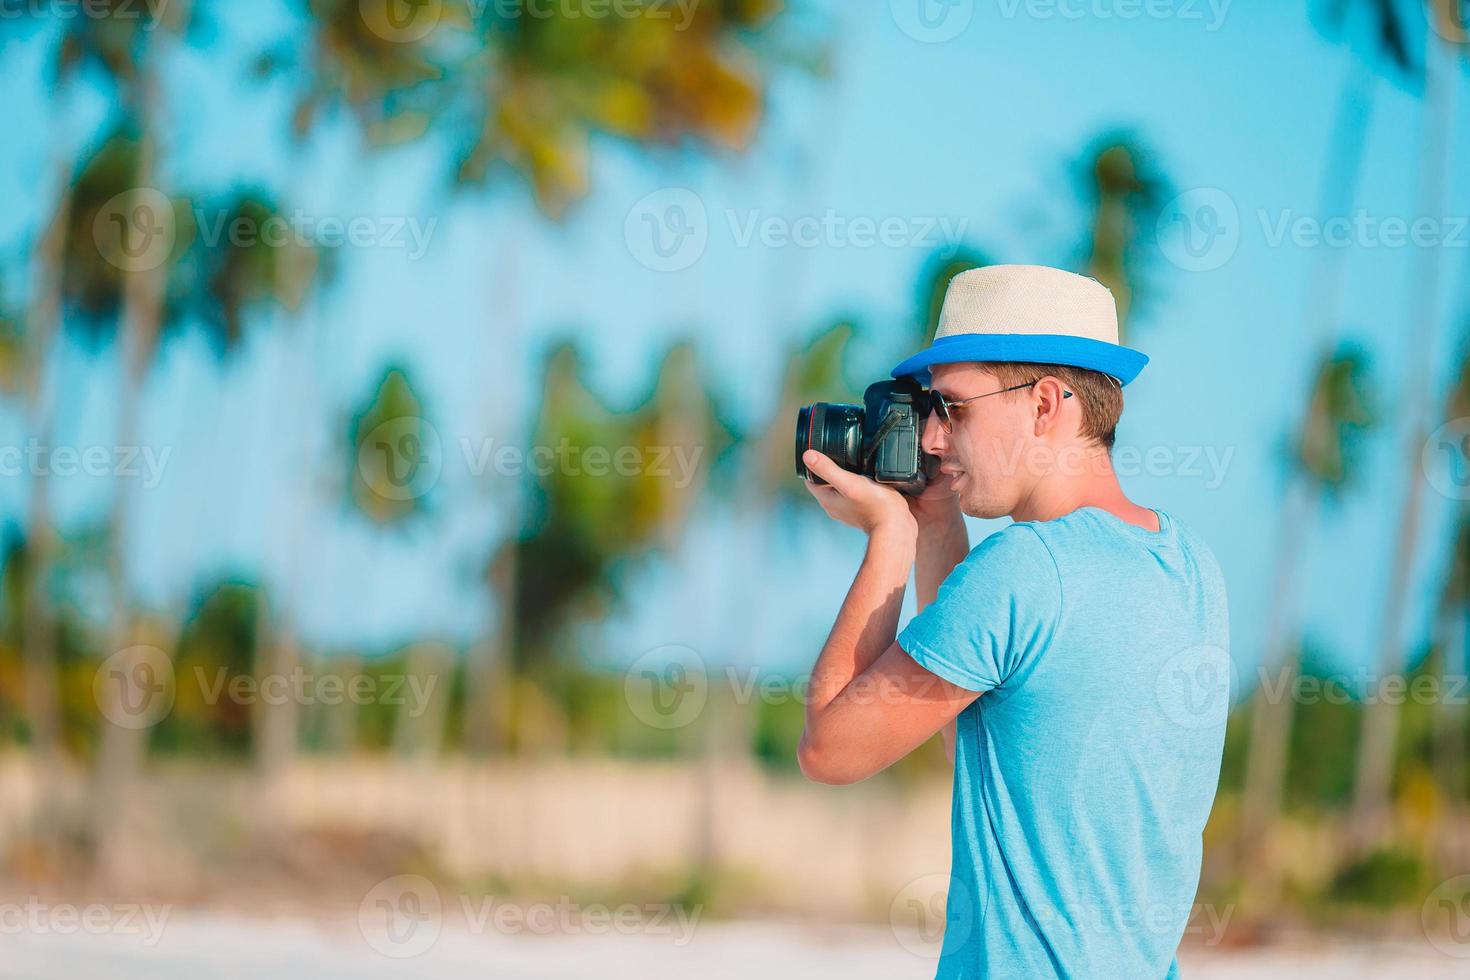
(1059, 494)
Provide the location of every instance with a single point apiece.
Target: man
(1080, 651)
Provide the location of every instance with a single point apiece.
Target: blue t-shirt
(1085, 772)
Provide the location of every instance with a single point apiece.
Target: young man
(1081, 651)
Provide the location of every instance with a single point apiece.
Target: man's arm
(869, 704)
(943, 543)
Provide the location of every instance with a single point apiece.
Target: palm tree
(1123, 194)
(1308, 481)
(1322, 463)
(106, 46)
(530, 98)
(394, 460)
(229, 282)
(1452, 624)
(535, 90)
(1373, 784)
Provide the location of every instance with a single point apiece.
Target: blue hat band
(1123, 363)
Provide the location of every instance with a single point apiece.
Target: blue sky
(978, 131)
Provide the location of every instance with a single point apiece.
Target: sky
(962, 132)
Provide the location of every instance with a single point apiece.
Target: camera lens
(835, 430)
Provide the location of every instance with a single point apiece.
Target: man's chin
(984, 510)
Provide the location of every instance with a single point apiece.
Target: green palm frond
(244, 256)
(1389, 31)
(14, 350)
(395, 453)
(815, 371)
(105, 198)
(542, 86)
(1123, 193)
(1341, 411)
(933, 282)
(344, 59)
(592, 519)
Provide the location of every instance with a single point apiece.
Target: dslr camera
(878, 439)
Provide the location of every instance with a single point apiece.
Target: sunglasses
(944, 408)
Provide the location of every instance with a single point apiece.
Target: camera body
(878, 439)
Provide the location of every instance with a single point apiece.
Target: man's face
(985, 454)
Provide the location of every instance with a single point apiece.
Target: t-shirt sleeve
(995, 612)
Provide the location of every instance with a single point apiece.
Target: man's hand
(938, 504)
(856, 500)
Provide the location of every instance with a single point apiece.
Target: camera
(878, 439)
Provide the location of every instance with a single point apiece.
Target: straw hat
(1027, 313)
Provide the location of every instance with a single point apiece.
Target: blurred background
(400, 556)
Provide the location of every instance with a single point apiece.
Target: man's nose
(933, 439)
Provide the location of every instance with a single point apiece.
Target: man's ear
(1048, 397)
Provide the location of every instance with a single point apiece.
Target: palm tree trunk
(122, 748)
(1380, 720)
(490, 660)
(490, 667)
(1273, 708)
(1271, 720)
(1449, 734)
(38, 639)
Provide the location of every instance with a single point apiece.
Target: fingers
(838, 478)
